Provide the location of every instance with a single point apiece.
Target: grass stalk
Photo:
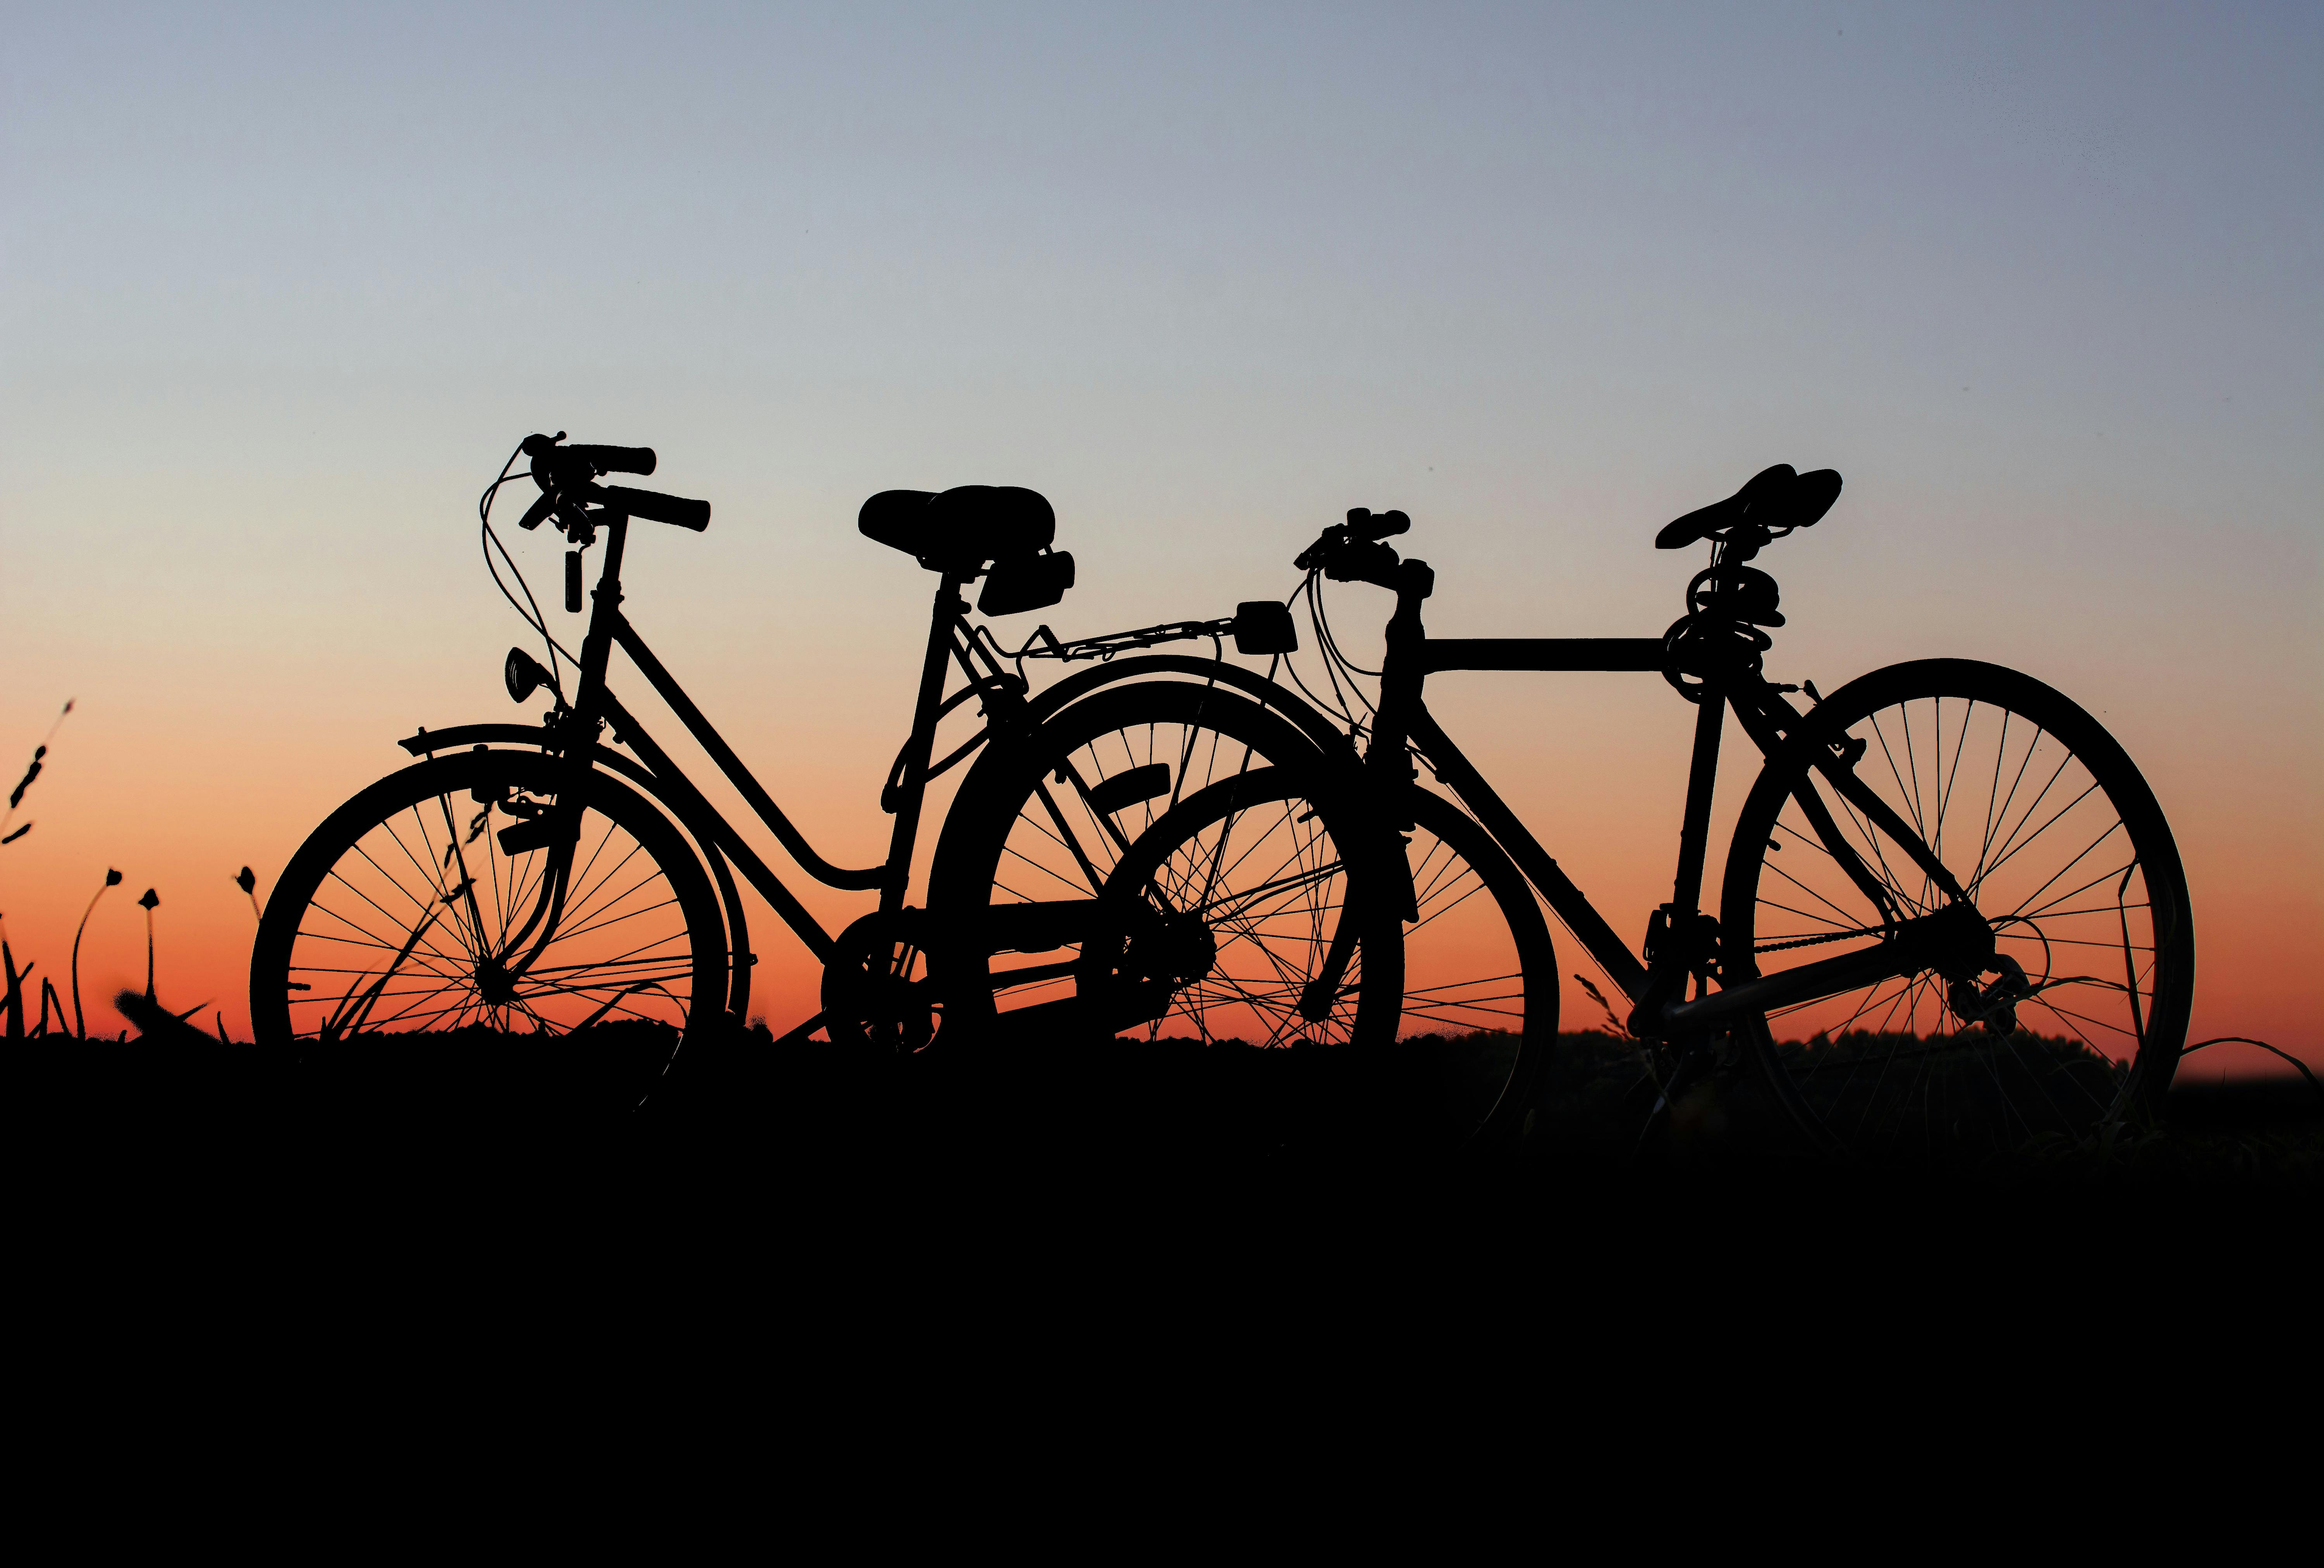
(80, 1024)
(14, 1002)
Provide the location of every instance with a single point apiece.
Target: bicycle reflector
(523, 674)
(1264, 626)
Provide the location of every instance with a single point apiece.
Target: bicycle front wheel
(1478, 1000)
(2042, 819)
(405, 921)
(1433, 1026)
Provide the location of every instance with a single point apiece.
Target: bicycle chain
(1757, 948)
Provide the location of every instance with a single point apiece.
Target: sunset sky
(281, 287)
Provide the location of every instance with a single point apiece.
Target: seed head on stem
(148, 902)
(112, 880)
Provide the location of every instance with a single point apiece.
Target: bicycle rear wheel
(2043, 820)
(1051, 818)
(1218, 992)
(404, 923)
(1253, 941)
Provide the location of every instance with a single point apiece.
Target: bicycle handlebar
(551, 451)
(616, 459)
(567, 477)
(1352, 552)
(652, 504)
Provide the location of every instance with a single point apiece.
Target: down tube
(1580, 917)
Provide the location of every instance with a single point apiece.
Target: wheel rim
(1478, 1000)
(2049, 831)
(1464, 973)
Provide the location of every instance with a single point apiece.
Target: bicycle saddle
(958, 531)
(1777, 499)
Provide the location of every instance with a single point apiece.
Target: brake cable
(492, 542)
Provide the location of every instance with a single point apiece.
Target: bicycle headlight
(522, 674)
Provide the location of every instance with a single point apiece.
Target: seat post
(949, 607)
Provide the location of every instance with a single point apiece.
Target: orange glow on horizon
(1608, 814)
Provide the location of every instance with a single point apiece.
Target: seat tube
(949, 608)
(1702, 774)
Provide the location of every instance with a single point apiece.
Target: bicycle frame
(573, 729)
(1682, 944)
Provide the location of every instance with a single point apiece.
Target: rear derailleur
(1994, 1006)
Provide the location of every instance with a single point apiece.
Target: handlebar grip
(1383, 525)
(616, 459)
(655, 507)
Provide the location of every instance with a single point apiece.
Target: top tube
(1631, 653)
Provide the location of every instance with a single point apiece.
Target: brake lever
(1310, 557)
(1367, 561)
(1363, 526)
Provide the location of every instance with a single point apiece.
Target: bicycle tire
(2062, 847)
(1477, 1003)
(1002, 842)
(1440, 1063)
(639, 937)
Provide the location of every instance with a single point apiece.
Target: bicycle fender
(461, 737)
(1328, 737)
(1338, 747)
(427, 743)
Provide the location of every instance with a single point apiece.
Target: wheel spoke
(2049, 856)
(400, 925)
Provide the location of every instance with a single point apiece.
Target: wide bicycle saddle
(962, 530)
(1777, 500)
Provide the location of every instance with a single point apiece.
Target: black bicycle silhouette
(1952, 911)
(1164, 845)
(536, 879)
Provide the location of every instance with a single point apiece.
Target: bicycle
(1180, 847)
(536, 879)
(1937, 863)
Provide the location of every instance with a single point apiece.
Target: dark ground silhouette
(820, 1242)
(1060, 1148)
